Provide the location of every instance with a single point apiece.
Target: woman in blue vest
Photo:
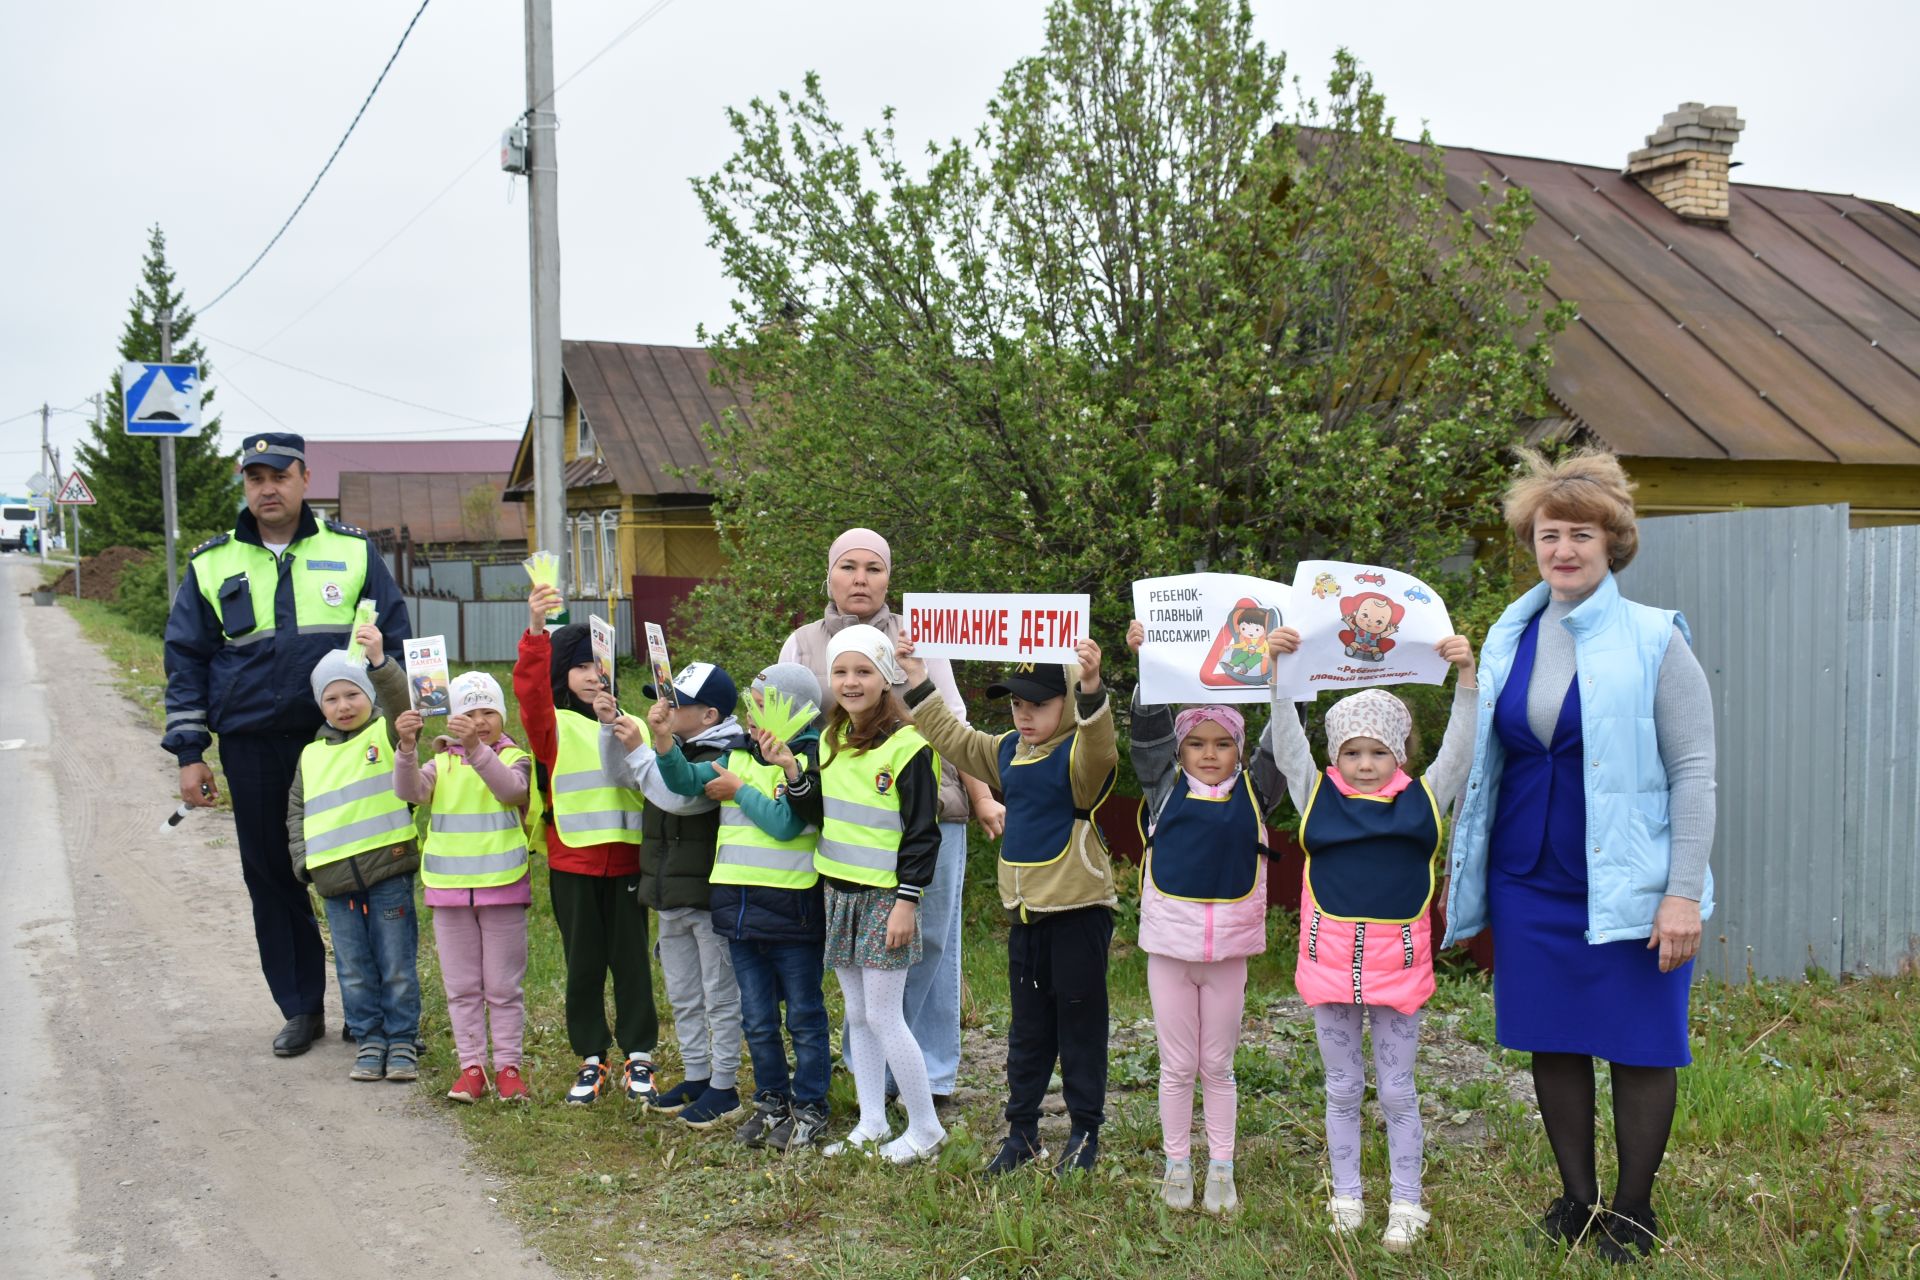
(1582, 840)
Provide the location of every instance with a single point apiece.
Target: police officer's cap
(279, 449)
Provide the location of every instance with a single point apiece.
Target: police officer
(257, 609)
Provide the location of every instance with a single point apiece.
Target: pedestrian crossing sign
(161, 399)
(76, 493)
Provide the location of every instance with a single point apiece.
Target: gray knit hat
(793, 679)
(337, 666)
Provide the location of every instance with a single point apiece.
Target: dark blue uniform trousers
(260, 768)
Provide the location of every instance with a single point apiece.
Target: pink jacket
(1203, 931)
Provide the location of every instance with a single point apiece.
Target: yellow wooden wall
(1679, 486)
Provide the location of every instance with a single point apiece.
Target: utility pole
(543, 226)
(46, 457)
(169, 502)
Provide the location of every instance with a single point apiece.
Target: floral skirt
(857, 931)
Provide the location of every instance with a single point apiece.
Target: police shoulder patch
(209, 544)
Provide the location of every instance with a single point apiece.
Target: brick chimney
(1685, 162)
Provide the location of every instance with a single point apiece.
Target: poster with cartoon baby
(1361, 625)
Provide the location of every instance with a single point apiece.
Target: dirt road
(148, 1128)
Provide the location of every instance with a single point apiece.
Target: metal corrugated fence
(1816, 842)
(1881, 898)
(489, 630)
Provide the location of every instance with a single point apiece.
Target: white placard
(1362, 625)
(1015, 628)
(427, 677)
(1207, 636)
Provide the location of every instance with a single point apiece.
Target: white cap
(475, 691)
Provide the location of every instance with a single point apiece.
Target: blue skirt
(1555, 993)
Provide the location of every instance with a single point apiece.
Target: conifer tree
(123, 470)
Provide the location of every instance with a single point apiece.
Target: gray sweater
(1682, 722)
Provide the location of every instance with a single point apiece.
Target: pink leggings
(1196, 1013)
(483, 958)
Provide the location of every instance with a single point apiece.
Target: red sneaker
(471, 1086)
(510, 1085)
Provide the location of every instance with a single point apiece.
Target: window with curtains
(586, 555)
(610, 553)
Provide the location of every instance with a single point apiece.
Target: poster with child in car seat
(427, 678)
(1206, 636)
(1361, 625)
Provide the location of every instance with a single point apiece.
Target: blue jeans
(769, 972)
(376, 945)
(932, 1001)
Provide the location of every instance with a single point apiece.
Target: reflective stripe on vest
(744, 854)
(473, 841)
(587, 807)
(348, 804)
(328, 571)
(861, 827)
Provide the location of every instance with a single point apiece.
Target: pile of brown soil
(100, 573)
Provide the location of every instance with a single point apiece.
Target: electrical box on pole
(513, 149)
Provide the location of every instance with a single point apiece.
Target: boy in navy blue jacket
(766, 902)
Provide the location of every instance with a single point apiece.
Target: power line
(311, 187)
(341, 382)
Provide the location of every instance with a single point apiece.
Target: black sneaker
(1016, 1149)
(1567, 1222)
(1083, 1148)
(636, 1078)
(769, 1111)
(803, 1128)
(1626, 1237)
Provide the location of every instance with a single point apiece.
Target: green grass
(1796, 1150)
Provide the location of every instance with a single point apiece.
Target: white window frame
(584, 445)
(610, 551)
(585, 583)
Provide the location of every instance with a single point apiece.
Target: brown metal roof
(648, 406)
(430, 505)
(1793, 333)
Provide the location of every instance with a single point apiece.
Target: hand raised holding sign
(776, 752)
(1282, 640)
(660, 721)
(1088, 654)
(916, 669)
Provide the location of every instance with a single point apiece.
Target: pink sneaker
(510, 1085)
(470, 1087)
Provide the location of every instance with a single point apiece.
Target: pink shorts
(1355, 962)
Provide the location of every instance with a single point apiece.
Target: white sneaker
(1176, 1186)
(1405, 1224)
(1221, 1197)
(1348, 1213)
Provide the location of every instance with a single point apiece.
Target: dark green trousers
(603, 929)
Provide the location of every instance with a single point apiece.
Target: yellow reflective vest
(587, 807)
(743, 853)
(238, 581)
(473, 840)
(860, 797)
(347, 801)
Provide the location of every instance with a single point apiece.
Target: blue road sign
(161, 399)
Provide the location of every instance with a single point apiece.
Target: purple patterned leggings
(1396, 1042)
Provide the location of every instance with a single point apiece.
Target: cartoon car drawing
(1377, 579)
(1324, 585)
(1415, 593)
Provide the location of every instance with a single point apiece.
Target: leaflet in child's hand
(427, 678)
(662, 667)
(600, 635)
(364, 614)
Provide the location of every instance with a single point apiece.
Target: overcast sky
(211, 117)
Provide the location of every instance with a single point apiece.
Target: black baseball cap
(1032, 682)
(704, 683)
(274, 449)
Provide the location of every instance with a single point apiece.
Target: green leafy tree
(1159, 313)
(123, 470)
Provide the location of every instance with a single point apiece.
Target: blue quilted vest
(1618, 648)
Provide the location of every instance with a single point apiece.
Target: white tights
(878, 1038)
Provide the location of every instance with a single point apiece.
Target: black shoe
(346, 1033)
(1015, 1150)
(298, 1035)
(804, 1126)
(1567, 1222)
(1083, 1148)
(769, 1112)
(1626, 1237)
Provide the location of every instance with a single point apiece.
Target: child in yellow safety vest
(474, 868)
(352, 838)
(879, 843)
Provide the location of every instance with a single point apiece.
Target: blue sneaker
(710, 1107)
(679, 1096)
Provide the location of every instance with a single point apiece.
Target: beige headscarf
(1371, 713)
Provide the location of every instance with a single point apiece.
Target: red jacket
(533, 688)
